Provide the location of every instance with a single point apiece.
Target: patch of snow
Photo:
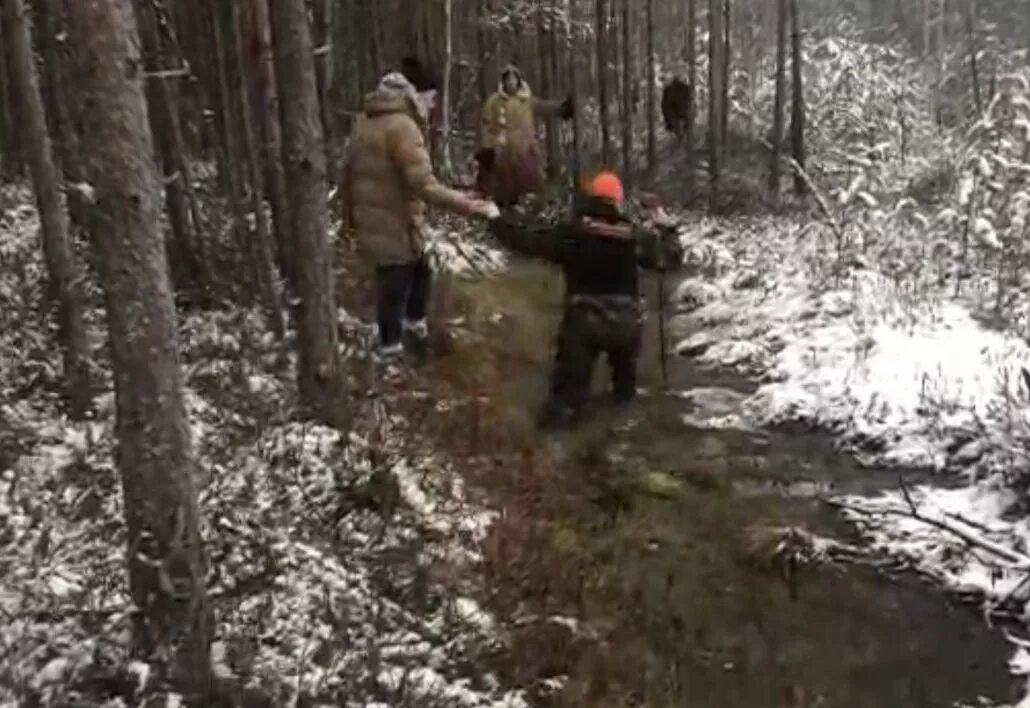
(914, 384)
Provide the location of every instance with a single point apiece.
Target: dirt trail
(655, 542)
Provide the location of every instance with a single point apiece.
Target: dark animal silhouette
(676, 100)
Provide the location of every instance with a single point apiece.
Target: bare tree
(652, 138)
(628, 104)
(780, 98)
(10, 157)
(262, 256)
(305, 169)
(691, 96)
(797, 103)
(602, 80)
(165, 554)
(716, 75)
(59, 253)
(447, 166)
(271, 131)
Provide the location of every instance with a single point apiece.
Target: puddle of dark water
(695, 611)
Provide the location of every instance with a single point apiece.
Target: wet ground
(683, 593)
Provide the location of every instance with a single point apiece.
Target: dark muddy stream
(685, 600)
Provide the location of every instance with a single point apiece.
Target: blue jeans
(403, 295)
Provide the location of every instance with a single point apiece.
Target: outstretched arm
(408, 151)
(534, 240)
(552, 108)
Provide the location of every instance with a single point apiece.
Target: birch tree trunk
(165, 554)
(62, 266)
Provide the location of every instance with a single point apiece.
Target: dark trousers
(589, 330)
(403, 295)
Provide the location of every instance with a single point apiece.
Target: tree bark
(447, 164)
(231, 167)
(652, 137)
(577, 114)
(727, 59)
(262, 256)
(628, 81)
(305, 169)
(690, 127)
(715, 96)
(602, 82)
(271, 135)
(164, 123)
(165, 554)
(797, 112)
(974, 50)
(59, 253)
(10, 139)
(780, 98)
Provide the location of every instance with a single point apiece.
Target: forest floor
(740, 538)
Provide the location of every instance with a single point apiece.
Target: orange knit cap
(607, 185)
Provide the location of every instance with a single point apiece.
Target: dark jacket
(599, 250)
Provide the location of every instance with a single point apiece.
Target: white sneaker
(390, 353)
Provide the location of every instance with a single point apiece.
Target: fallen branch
(1018, 561)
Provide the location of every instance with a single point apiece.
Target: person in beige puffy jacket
(388, 181)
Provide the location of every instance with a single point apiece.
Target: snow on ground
(335, 560)
(902, 381)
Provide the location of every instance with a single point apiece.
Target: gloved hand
(567, 110)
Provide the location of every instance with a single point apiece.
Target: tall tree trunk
(482, 80)
(304, 155)
(171, 152)
(10, 140)
(231, 168)
(577, 113)
(974, 50)
(628, 81)
(652, 138)
(263, 255)
(690, 138)
(602, 82)
(60, 111)
(727, 59)
(446, 164)
(58, 251)
(780, 98)
(271, 135)
(546, 49)
(165, 554)
(715, 96)
(797, 103)
(321, 16)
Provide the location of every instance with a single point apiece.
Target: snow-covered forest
(218, 486)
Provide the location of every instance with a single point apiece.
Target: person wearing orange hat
(600, 251)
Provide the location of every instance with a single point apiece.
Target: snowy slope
(337, 562)
(902, 381)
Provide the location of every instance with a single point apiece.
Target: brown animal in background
(676, 99)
